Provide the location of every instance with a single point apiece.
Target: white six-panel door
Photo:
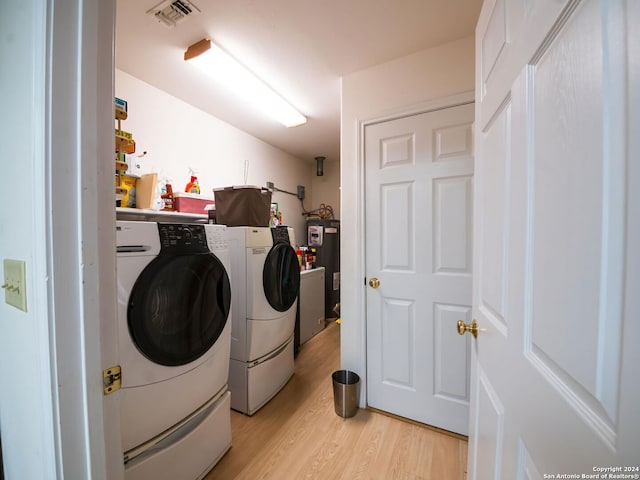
(555, 389)
(419, 189)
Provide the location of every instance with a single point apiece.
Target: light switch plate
(15, 284)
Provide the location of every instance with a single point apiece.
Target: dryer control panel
(176, 238)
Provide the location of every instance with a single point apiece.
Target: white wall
(381, 91)
(177, 136)
(326, 189)
(26, 414)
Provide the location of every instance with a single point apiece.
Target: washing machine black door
(281, 277)
(178, 307)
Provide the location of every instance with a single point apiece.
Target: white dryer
(265, 286)
(174, 333)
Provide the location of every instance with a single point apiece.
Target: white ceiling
(301, 48)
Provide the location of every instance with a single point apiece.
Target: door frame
(79, 220)
(360, 260)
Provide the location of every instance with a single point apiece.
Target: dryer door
(178, 307)
(281, 277)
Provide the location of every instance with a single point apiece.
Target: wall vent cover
(170, 13)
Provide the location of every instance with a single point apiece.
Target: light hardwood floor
(298, 435)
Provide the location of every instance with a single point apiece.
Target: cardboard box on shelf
(145, 190)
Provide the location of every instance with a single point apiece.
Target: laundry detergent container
(244, 205)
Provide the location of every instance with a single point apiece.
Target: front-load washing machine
(174, 333)
(265, 286)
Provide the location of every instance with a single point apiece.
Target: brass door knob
(464, 328)
(374, 282)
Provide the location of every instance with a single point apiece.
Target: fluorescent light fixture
(219, 65)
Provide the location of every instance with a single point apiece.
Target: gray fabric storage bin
(239, 206)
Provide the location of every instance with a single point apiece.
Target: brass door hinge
(111, 379)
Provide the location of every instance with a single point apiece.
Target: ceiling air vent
(170, 13)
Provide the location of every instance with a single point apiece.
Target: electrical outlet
(270, 185)
(15, 284)
(301, 192)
